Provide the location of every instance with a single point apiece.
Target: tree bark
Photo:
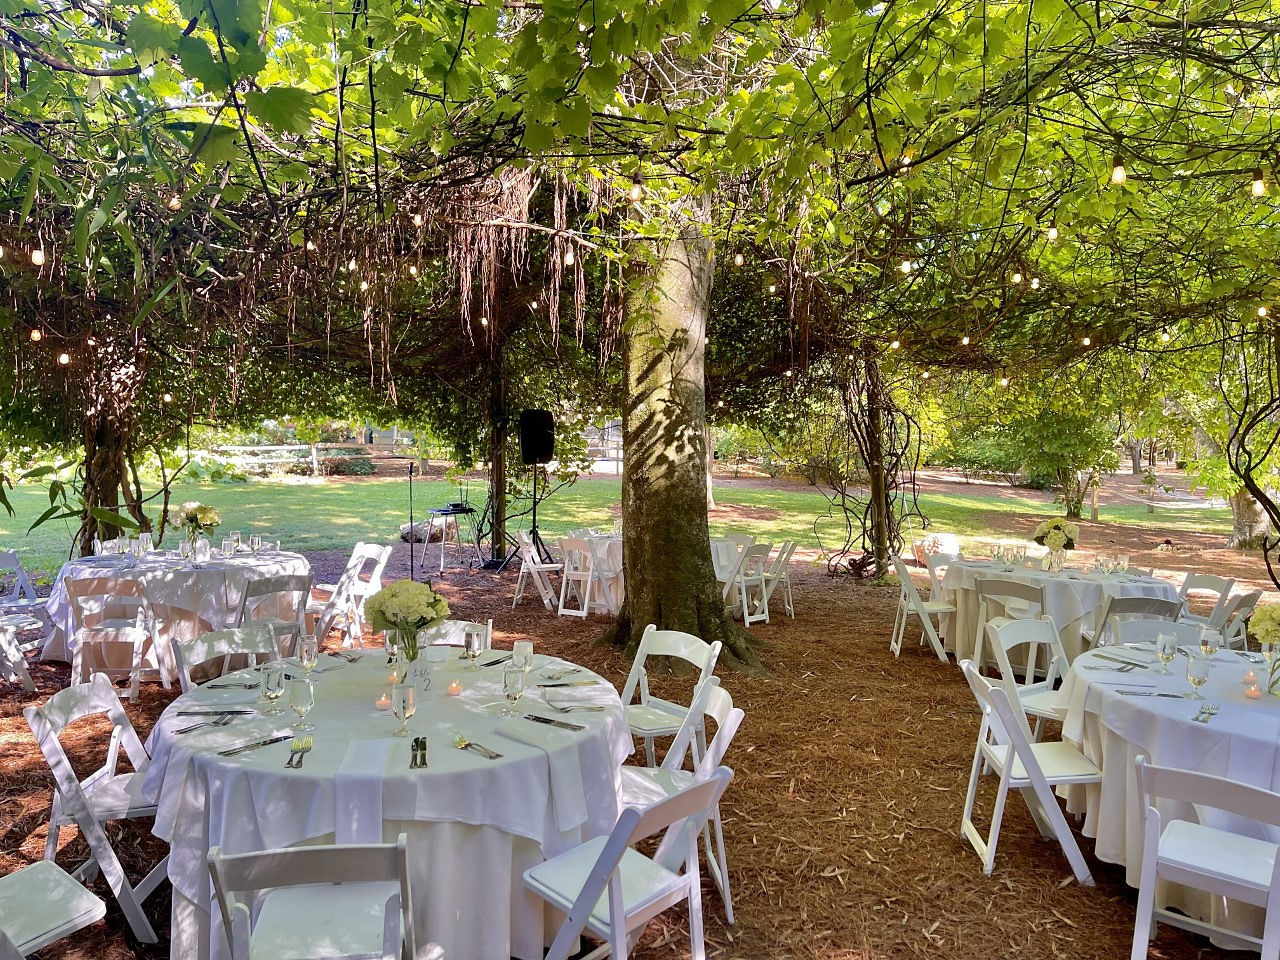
(1249, 523)
(879, 505)
(498, 423)
(666, 550)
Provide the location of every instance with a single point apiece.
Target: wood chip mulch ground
(842, 822)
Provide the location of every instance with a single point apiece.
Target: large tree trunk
(1134, 446)
(666, 550)
(1249, 523)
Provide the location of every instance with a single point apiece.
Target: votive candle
(455, 688)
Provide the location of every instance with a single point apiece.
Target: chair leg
(697, 941)
(1144, 924)
(519, 587)
(997, 818)
(51, 842)
(648, 751)
(718, 865)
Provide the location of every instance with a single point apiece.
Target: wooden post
(315, 462)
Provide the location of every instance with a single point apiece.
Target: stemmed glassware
(1122, 562)
(255, 542)
(1197, 674)
(514, 681)
(271, 683)
(403, 706)
(184, 549)
(1166, 650)
(473, 646)
(1210, 641)
(522, 654)
(302, 697)
(308, 653)
(228, 546)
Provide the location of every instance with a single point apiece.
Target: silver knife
(494, 663)
(1149, 693)
(562, 724)
(571, 683)
(1127, 663)
(213, 713)
(255, 745)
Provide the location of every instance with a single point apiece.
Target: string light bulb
(1263, 311)
(417, 219)
(895, 344)
(1085, 341)
(924, 375)
(168, 398)
(1053, 230)
(533, 305)
(64, 359)
(37, 257)
(35, 335)
(905, 266)
(351, 264)
(719, 403)
(175, 203)
(311, 245)
(1118, 173)
(1259, 187)
(1164, 336)
(1035, 283)
(1004, 379)
(568, 257)
(484, 321)
(1017, 277)
(964, 341)
(786, 373)
(636, 192)
(738, 259)
(364, 285)
(773, 288)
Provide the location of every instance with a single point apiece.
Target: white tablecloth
(216, 588)
(1241, 743)
(474, 824)
(1071, 598)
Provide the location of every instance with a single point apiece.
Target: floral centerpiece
(198, 519)
(406, 607)
(1057, 534)
(1264, 625)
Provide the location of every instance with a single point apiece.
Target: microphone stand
(413, 532)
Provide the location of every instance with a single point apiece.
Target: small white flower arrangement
(406, 606)
(1057, 534)
(198, 518)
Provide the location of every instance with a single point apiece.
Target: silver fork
(1210, 710)
(302, 753)
(295, 746)
(587, 707)
(221, 721)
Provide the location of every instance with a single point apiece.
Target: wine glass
(234, 537)
(514, 680)
(1210, 641)
(390, 641)
(255, 542)
(1166, 650)
(402, 705)
(228, 546)
(473, 646)
(145, 542)
(1122, 563)
(522, 654)
(184, 549)
(308, 653)
(1197, 674)
(271, 683)
(302, 697)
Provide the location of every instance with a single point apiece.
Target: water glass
(514, 680)
(97, 547)
(1197, 674)
(145, 542)
(473, 646)
(1122, 563)
(234, 537)
(522, 654)
(1210, 641)
(402, 705)
(228, 546)
(1166, 650)
(302, 697)
(308, 653)
(271, 684)
(184, 549)
(255, 542)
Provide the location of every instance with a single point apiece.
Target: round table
(1116, 717)
(216, 585)
(474, 824)
(1070, 598)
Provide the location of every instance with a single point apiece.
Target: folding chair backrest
(94, 599)
(670, 643)
(576, 552)
(378, 554)
(1202, 789)
(908, 585)
(728, 718)
(783, 558)
(224, 644)
(740, 539)
(251, 873)
(289, 590)
(454, 632)
(1238, 611)
(755, 559)
(1207, 583)
(937, 564)
(21, 588)
(173, 620)
(997, 588)
(1146, 631)
(340, 601)
(996, 724)
(1133, 608)
(692, 725)
(1036, 635)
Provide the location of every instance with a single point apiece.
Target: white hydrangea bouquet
(1057, 534)
(406, 607)
(1264, 625)
(198, 519)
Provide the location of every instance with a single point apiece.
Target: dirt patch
(842, 822)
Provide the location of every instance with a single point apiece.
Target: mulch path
(842, 822)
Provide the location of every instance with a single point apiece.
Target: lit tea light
(1253, 692)
(455, 688)
(384, 701)
(1250, 678)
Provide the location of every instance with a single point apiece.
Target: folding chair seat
(1033, 769)
(1127, 608)
(610, 890)
(534, 568)
(1038, 698)
(280, 603)
(103, 796)
(39, 905)
(644, 786)
(331, 902)
(910, 603)
(20, 596)
(1219, 587)
(1208, 858)
(651, 716)
(249, 643)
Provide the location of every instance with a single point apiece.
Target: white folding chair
(1127, 608)
(18, 596)
(652, 716)
(580, 578)
(281, 603)
(1219, 587)
(1021, 601)
(1037, 697)
(741, 540)
(609, 571)
(611, 891)
(249, 642)
(778, 575)
(644, 786)
(347, 596)
(752, 583)
(909, 603)
(13, 664)
(1235, 629)
(937, 564)
(534, 568)
(113, 635)
(453, 633)
(339, 610)
(339, 901)
(1146, 631)
(1033, 769)
(1179, 850)
(103, 796)
(39, 905)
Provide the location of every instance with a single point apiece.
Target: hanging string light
(175, 203)
(417, 219)
(568, 257)
(737, 259)
(1164, 336)
(1004, 379)
(1259, 187)
(37, 257)
(35, 335)
(773, 288)
(1262, 311)
(1085, 341)
(1035, 283)
(905, 266)
(1118, 173)
(964, 341)
(168, 398)
(484, 321)
(1053, 230)
(533, 305)
(636, 192)
(64, 359)
(1017, 277)
(895, 344)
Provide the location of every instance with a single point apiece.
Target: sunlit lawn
(332, 515)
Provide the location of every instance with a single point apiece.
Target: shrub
(346, 467)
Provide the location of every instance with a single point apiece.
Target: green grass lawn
(333, 515)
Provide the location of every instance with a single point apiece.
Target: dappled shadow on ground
(842, 822)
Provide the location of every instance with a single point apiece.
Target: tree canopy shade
(238, 194)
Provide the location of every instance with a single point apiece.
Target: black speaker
(537, 436)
